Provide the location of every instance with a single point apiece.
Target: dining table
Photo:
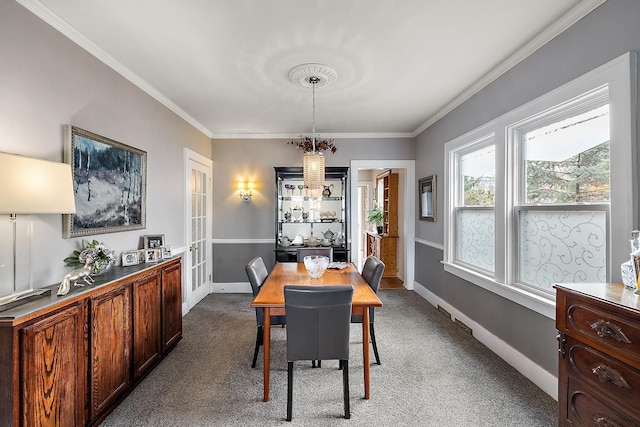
(271, 299)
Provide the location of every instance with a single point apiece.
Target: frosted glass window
(561, 246)
(475, 241)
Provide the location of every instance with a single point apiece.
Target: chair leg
(289, 389)
(345, 384)
(258, 344)
(373, 341)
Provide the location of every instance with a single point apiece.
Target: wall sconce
(244, 190)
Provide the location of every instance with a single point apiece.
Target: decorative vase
(379, 229)
(100, 266)
(628, 272)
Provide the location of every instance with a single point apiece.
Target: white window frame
(619, 76)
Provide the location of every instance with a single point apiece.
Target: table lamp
(32, 186)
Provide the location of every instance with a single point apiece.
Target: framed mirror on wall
(427, 198)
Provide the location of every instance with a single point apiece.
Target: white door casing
(198, 260)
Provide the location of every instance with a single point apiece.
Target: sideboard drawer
(587, 410)
(617, 380)
(618, 333)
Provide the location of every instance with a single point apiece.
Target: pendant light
(313, 162)
(314, 76)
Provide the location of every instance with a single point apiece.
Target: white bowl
(316, 265)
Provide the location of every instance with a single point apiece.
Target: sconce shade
(35, 186)
(313, 170)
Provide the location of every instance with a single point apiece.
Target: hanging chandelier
(313, 75)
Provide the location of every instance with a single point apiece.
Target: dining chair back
(257, 273)
(372, 273)
(318, 329)
(322, 251)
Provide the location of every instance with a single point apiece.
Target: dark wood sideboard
(599, 355)
(69, 361)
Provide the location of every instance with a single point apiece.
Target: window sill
(540, 304)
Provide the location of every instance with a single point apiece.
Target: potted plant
(375, 216)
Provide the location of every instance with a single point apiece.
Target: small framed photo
(153, 241)
(130, 258)
(152, 255)
(166, 252)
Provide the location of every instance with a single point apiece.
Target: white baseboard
(230, 288)
(534, 372)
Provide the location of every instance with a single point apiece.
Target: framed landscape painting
(109, 182)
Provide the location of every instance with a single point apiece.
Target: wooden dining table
(271, 299)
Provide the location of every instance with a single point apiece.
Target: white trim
(241, 241)
(566, 21)
(190, 156)
(51, 18)
(429, 243)
(409, 207)
(230, 288)
(530, 300)
(527, 367)
(355, 135)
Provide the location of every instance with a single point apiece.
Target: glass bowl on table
(316, 265)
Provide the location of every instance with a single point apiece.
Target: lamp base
(15, 300)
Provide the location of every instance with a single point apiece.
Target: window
(474, 208)
(529, 197)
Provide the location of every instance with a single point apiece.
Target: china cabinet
(304, 219)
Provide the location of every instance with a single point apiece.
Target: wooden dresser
(599, 355)
(383, 247)
(69, 361)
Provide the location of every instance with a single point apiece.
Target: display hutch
(385, 246)
(304, 219)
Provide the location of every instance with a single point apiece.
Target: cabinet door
(110, 348)
(146, 323)
(171, 305)
(54, 370)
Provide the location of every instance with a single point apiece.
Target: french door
(198, 260)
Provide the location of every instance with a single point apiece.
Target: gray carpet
(433, 374)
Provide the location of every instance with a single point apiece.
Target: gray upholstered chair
(257, 273)
(372, 273)
(318, 329)
(322, 251)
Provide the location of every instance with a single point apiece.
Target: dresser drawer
(615, 379)
(586, 409)
(603, 327)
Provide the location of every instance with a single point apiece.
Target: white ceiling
(223, 65)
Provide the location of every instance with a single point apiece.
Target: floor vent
(465, 327)
(444, 312)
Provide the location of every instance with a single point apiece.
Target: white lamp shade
(313, 170)
(34, 186)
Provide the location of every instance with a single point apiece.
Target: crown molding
(369, 135)
(567, 20)
(51, 18)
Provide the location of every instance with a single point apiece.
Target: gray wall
(604, 34)
(47, 81)
(254, 160)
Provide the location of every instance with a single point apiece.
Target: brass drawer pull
(607, 329)
(606, 373)
(605, 422)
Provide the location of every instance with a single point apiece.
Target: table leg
(365, 351)
(266, 348)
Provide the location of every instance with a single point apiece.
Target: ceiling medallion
(310, 75)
